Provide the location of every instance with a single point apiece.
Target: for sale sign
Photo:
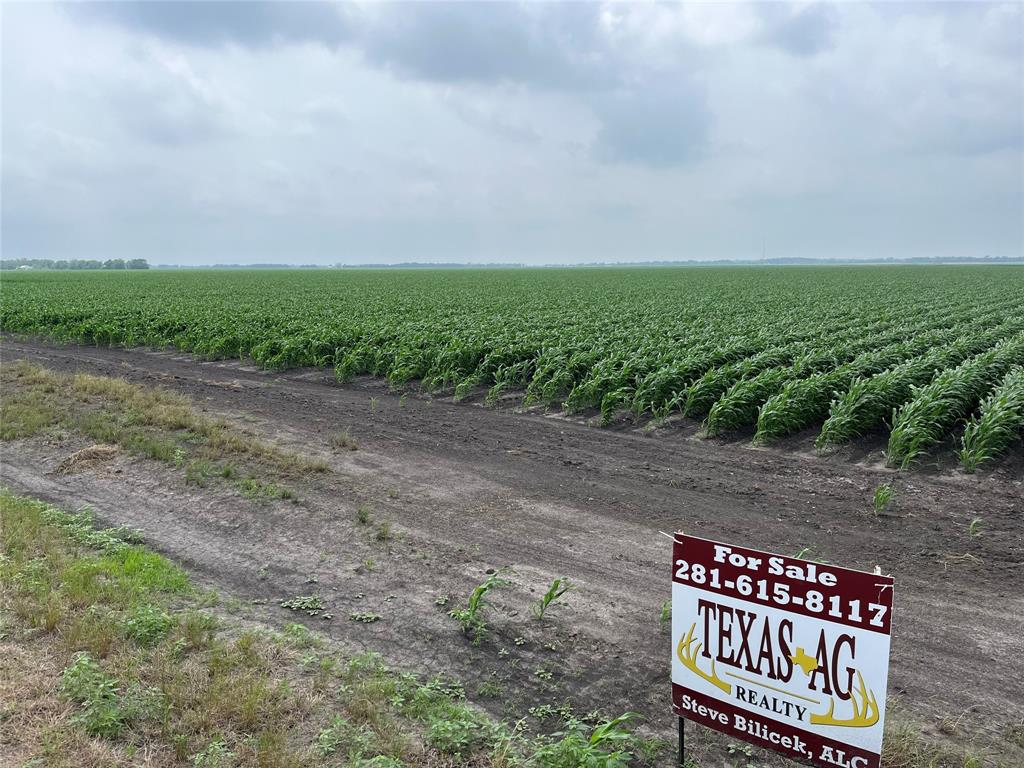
(785, 653)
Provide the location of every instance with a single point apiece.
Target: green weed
(311, 605)
(97, 694)
(365, 617)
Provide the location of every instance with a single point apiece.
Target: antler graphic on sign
(864, 715)
(688, 656)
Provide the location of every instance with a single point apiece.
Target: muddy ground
(467, 489)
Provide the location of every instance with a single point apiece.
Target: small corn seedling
(557, 590)
(807, 553)
(883, 495)
(470, 617)
(607, 744)
(665, 615)
(974, 529)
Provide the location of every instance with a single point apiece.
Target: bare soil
(467, 489)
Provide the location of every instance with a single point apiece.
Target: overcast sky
(539, 133)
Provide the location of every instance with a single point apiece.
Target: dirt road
(467, 489)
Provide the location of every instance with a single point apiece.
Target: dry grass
(87, 458)
(343, 441)
(144, 421)
(905, 747)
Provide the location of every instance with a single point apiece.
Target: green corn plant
(934, 409)
(739, 405)
(664, 388)
(849, 340)
(604, 376)
(703, 393)
(607, 745)
(742, 404)
(557, 590)
(665, 614)
(870, 400)
(471, 617)
(999, 421)
(883, 495)
(804, 402)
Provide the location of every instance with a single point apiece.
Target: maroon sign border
(850, 585)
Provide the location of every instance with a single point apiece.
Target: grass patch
(343, 441)
(144, 421)
(260, 490)
(142, 670)
(383, 533)
(905, 747)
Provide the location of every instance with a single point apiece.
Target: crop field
(506, 556)
(922, 354)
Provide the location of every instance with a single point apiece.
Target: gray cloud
(171, 109)
(198, 132)
(661, 125)
(216, 22)
(557, 44)
(554, 45)
(803, 31)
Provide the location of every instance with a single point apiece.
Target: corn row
(951, 396)
(999, 421)
(804, 402)
(869, 401)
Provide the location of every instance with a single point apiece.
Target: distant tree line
(74, 263)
